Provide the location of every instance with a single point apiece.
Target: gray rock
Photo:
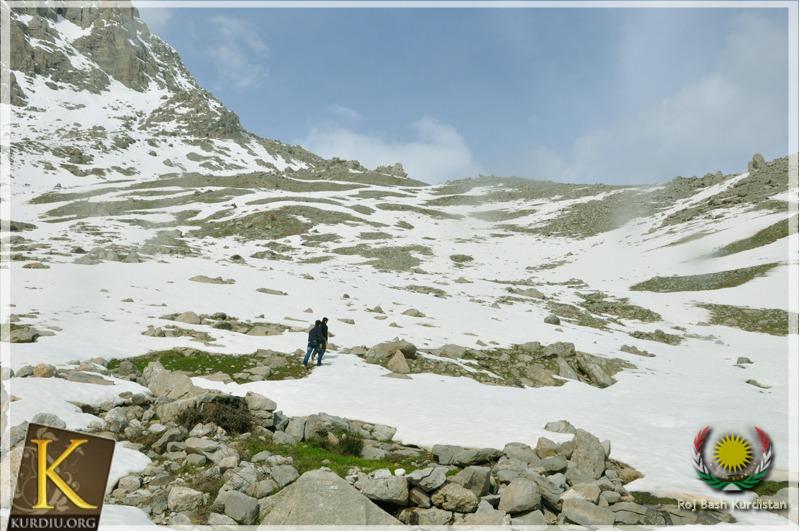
(296, 427)
(257, 402)
(475, 478)
(588, 460)
(335, 502)
(196, 445)
(188, 318)
(48, 419)
(560, 426)
(241, 507)
(283, 474)
(24, 371)
(184, 499)
(521, 495)
(428, 479)
(383, 351)
(454, 497)
(281, 437)
(417, 496)
(554, 463)
(552, 319)
(220, 519)
(459, 456)
(398, 364)
(521, 452)
(322, 423)
(582, 512)
(196, 460)
(584, 491)
(531, 518)
(425, 517)
(392, 489)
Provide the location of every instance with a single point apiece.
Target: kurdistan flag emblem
(734, 465)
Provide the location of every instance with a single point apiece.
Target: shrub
(228, 412)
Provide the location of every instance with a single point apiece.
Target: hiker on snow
(315, 340)
(324, 345)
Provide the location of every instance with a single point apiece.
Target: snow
(650, 415)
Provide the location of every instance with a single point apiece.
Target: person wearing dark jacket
(315, 339)
(323, 328)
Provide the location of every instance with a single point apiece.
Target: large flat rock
(320, 497)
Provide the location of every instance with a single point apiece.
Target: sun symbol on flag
(733, 453)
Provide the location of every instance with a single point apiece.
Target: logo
(62, 480)
(735, 466)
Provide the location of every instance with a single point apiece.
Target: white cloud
(157, 19)
(238, 53)
(345, 113)
(726, 115)
(435, 152)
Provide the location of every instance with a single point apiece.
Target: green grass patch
(769, 487)
(771, 234)
(708, 281)
(646, 498)
(199, 363)
(309, 455)
(600, 303)
(771, 321)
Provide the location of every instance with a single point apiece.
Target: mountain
(149, 225)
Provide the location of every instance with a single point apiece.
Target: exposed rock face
(335, 502)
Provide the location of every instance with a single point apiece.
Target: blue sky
(582, 95)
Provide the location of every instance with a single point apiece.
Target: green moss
(374, 236)
(708, 281)
(771, 321)
(771, 234)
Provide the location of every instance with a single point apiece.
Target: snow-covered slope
(128, 181)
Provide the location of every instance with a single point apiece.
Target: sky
(619, 96)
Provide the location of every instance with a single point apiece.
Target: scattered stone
(454, 497)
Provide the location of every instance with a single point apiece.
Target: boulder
(321, 424)
(241, 507)
(184, 499)
(582, 512)
(454, 497)
(588, 461)
(44, 370)
(188, 318)
(320, 497)
(383, 351)
(456, 455)
(425, 516)
(428, 479)
(196, 445)
(257, 402)
(451, 351)
(560, 426)
(475, 478)
(398, 364)
(48, 419)
(521, 495)
(392, 489)
(552, 319)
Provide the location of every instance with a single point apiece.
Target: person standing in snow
(315, 339)
(324, 345)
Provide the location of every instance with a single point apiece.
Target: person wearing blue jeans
(323, 328)
(314, 341)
